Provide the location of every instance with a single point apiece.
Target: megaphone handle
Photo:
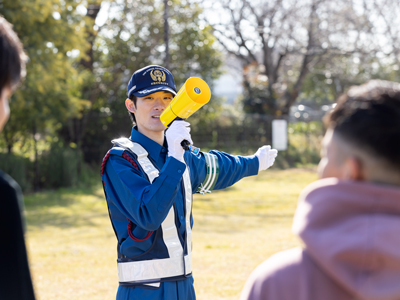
(185, 145)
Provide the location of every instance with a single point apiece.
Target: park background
(263, 59)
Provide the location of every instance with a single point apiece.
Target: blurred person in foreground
(349, 220)
(149, 180)
(15, 278)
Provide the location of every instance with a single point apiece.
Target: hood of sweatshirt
(352, 231)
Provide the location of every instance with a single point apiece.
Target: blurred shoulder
(283, 263)
(271, 278)
(296, 269)
(10, 199)
(8, 186)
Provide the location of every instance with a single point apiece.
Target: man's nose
(159, 104)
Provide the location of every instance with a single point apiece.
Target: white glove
(175, 134)
(266, 157)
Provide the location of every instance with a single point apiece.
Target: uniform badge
(158, 75)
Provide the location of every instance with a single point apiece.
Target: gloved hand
(175, 134)
(266, 157)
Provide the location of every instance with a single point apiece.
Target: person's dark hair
(12, 56)
(368, 117)
(132, 115)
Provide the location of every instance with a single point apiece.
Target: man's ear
(130, 105)
(353, 169)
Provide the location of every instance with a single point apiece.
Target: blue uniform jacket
(130, 196)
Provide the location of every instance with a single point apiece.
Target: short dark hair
(131, 114)
(12, 56)
(368, 117)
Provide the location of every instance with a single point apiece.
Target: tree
(132, 37)
(280, 42)
(76, 126)
(53, 36)
(376, 56)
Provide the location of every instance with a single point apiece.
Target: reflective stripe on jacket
(177, 260)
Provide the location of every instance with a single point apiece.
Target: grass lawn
(72, 248)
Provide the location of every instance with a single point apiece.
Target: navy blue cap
(151, 79)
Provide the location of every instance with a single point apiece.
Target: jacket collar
(153, 148)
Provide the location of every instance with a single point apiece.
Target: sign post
(279, 135)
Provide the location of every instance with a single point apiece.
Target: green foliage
(53, 35)
(304, 145)
(243, 134)
(132, 38)
(319, 88)
(311, 128)
(123, 47)
(59, 166)
(259, 100)
(330, 78)
(258, 96)
(18, 168)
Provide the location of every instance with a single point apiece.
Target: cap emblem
(158, 75)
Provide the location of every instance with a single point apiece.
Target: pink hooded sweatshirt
(351, 235)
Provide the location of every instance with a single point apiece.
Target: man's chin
(158, 127)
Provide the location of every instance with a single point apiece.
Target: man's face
(332, 157)
(148, 110)
(4, 108)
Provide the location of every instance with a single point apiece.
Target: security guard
(148, 182)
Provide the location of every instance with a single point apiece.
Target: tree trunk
(77, 127)
(36, 173)
(166, 34)
(9, 141)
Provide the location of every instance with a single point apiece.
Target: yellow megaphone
(192, 95)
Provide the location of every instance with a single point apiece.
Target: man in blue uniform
(149, 180)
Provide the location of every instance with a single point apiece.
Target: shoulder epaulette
(119, 151)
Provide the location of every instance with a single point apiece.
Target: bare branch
(247, 59)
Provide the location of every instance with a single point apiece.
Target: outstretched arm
(217, 170)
